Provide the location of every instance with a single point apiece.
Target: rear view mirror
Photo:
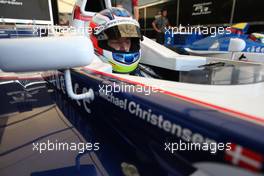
(41, 54)
(51, 53)
(236, 45)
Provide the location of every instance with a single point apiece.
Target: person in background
(64, 19)
(160, 24)
(130, 5)
(158, 15)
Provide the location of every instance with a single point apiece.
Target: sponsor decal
(202, 9)
(254, 49)
(27, 94)
(244, 158)
(11, 2)
(155, 119)
(58, 81)
(112, 23)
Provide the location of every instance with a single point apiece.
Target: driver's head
(116, 38)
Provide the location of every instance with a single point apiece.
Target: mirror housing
(236, 45)
(41, 54)
(50, 53)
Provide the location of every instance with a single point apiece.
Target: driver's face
(122, 44)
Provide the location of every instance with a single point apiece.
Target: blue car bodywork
(148, 139)
(217, 43)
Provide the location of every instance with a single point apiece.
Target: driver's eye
(114, 42)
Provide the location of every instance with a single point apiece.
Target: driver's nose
(124, 46)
